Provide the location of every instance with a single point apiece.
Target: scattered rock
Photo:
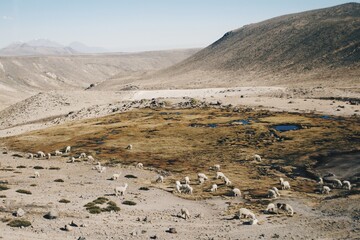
(19, 213)
(172, 230)
(51, 215)
(81, 238)
(68, 228)
(73, 224)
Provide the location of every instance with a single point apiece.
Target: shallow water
(286, 127)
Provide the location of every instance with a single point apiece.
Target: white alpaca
(284, 184)
(58, 153)
(140, 165)
(90, 158)
(236, 192)
(245, 213)
(272, 194)
(201, 180)
(271, 208)
(227, 181)
(68, 149)
(40, 154)
(187, 189)
(214, 188)
(257, 158)
(347, 185)
(220, 175)
(202, 175)
(48, 156)
(31, 156)
(115, 176)
(129, 147)
(160, 179)
(36, 174)
(82, 155)
(321, 181)
(325, 190)
(72, 159)
(337, 183)
(286, 207)
(102, 169)
(185, 213)
(276, 190)
(121, 190)
(178, 186)
(216, 167)
(187, 180)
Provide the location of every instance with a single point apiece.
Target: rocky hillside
(315, 47)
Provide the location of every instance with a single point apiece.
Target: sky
(138, 25)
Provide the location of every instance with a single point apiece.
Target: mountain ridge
(317, 47)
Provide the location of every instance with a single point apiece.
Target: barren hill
(21, 77)
(319, 47)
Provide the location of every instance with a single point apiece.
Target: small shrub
(130, 203)
(144, 189)
(38, 167)
(3, 188)
(33, 185)
(54, 168)
(130, 176)
(100, 200)
(94, 209)
(2, 196)
(58, 180)
(64, 201)
(193, 101)
(5, 219)
(89, 205)
(21, 166)
(19, 223)
(111, 207)
(23, 191)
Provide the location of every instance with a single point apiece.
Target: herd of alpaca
(185, 188)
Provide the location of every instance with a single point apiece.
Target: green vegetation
(38, 167)
(144, 188)
(23, 191)
(54, 168)
(93, 207)
(19, 223)
(3, 187)
(130, 203)
(64, 200)
(100, 200)
(58, 180)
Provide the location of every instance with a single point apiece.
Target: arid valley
(254, 137)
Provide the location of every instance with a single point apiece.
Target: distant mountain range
(47, 47)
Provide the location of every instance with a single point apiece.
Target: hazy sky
(135, 25)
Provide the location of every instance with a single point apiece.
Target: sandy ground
(46, 109)
(209, 218)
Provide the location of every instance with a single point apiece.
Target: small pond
(286, 127)
(209, 125)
